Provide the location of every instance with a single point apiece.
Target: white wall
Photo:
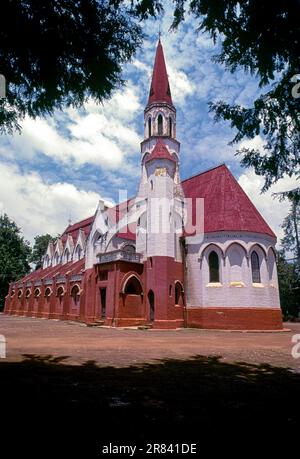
(235, 288)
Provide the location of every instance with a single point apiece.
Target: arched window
(133, 286)
(151, 305)
(213, 262)
(20, 293)
(149, 127)
(78, 252)
(28, 293)
(129, 248)
(66, 255)
(37, 293)
(75, 294)
(60, 294)
(255, 268)
(178, 293)
(160, 125)
(170, 127)
(48, 292)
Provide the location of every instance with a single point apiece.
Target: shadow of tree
(74, 408)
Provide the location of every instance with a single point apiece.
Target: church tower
(161, 198)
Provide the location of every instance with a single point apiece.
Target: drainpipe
(183, 254)
(116, 294)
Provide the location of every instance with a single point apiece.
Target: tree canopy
(289, 257)
(14, 255)
(263, 39)
(289, 286)
(66, 51)
(58, 53)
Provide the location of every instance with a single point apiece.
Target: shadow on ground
(79, 408)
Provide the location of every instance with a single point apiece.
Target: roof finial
(159, 33)
(70, 219)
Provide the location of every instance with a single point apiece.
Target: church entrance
(103, 303)
(151, 305)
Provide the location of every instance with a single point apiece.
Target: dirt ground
(67, 390)
(123, 347)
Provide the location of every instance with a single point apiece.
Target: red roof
(226, 205)
(160, 151)
(72, 267)
(226, 208)
(160, 88)
(73, 230)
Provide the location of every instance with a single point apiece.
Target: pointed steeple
(160, 88)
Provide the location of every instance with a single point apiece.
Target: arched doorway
(103, 303)
(178, 294)
(60, 299)
(151, 305)
(133, 286)
(75, 296)
(132, 298)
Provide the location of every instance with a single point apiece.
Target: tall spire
(160, 88)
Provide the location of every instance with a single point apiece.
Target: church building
(191, 253)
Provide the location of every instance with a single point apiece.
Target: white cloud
(180, 84)
(270, 208)
(107, 135)
(142, 66)
(256, 143)
(38, 207)
(103, 134)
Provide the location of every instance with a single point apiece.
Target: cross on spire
(159, 33)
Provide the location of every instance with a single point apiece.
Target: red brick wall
(159, 277)
(235, 318)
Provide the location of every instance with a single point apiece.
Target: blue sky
(60, 167)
